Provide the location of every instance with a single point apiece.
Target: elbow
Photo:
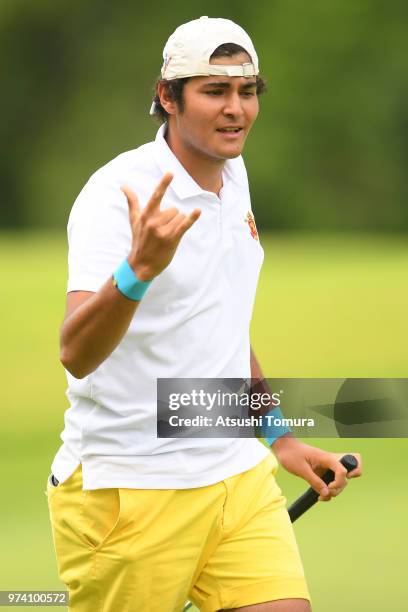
(71, 364)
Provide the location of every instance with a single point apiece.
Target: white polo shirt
(193, 322)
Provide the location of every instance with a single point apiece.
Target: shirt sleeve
(99, 235)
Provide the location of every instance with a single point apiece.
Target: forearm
(299, 458)
(95, 328)
(262, 386)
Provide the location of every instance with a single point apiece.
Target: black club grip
(310, 497)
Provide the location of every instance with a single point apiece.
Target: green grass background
(327, 306)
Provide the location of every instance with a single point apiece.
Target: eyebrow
(226, 85)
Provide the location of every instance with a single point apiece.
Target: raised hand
(155, 233)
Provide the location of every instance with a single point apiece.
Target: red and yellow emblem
(251, 223)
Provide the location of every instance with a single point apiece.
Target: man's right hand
(155, 233)
(95, 323)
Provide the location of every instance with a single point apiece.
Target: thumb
(133, 203)
(315, 482)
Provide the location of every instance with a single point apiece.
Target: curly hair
(174, 87)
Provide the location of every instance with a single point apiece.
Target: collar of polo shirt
(183, 184)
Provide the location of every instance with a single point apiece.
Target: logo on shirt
(251, 224)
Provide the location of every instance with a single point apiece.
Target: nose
(233, 106)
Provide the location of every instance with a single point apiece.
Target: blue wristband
(271, 431)
(128, 284)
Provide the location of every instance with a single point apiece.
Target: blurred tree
(329, 150)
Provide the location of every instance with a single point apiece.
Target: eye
(215, 92)
(248, 94)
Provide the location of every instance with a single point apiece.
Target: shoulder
(125, 166)
(135, 168)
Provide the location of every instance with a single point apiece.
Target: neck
(205, 170)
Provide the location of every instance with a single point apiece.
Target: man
(142, 523)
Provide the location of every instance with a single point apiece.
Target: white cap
(188, 50)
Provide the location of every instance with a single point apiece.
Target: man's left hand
(310, 463)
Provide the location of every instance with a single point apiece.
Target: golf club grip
(310, 497)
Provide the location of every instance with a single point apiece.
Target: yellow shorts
(226, 545)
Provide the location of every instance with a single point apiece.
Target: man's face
(218, 112)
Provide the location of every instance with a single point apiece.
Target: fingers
(153, 204)
(176, 223)
(340, 475)
(317, 484)
(180, 224)
(172, 224)
(188, 221)
(133, 203)
(335, 491)
(167, 215)
(324, 499)
(358, 471)
(318, 463)
(334, 488)
(340, 479)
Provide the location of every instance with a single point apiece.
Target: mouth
(231, 132)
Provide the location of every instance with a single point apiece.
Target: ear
(167, 103)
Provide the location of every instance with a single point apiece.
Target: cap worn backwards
(188, 50)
